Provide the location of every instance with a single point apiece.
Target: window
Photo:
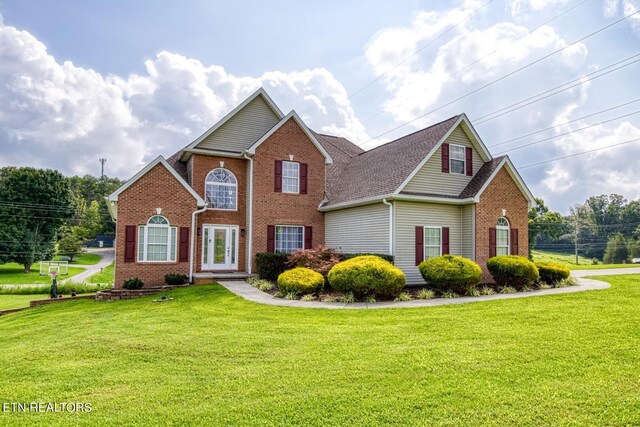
(290, 177)
(289, 238)
(221, 190)
(157, 241)
(457, 157)
(502, 237)
(432, 242)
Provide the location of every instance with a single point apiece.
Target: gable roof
(292, 115)
(113, 197)
(492, 170)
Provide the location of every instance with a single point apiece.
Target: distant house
(99, 242)
(262, 181)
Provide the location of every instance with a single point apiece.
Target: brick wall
(201, 166)
(502, 193)
(158, 188)
(270, 207)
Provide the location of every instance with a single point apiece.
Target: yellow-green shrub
(367, 275)
(300, 280)
(451, 273)
(552, 273)
(512, 270)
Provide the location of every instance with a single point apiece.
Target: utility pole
(576, 240)
(102, 162)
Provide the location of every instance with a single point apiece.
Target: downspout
(250, 225)
(193, 239)
(390, 225)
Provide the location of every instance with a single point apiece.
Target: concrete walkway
(250, 293)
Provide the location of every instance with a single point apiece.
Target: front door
(219, 247)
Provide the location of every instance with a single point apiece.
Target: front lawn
(17, 301)
(211, 358)
(13, 274)
(569, 260)
(107, 275)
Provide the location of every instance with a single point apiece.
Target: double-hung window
(432, 242)
(157, 241)
(502, 237)
(457, 158)
(289, 238)
(290, 177)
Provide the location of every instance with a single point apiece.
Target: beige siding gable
(243, 129)
(430, 178)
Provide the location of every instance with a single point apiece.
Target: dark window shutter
(419, 245)
(445, 158)
(130, 243)
(308, 237)
(469, 161)
(271, 238)
(514, 241)
(492, 242)
(183, 253)
(277, 183)
(303, 178)
(445, 240)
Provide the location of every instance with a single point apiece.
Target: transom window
(289, 238)
(432, 242)
(457, 156)
(290, 177)
(157, 241)
(502, 236)
(221, 190)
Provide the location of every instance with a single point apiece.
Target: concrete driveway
(108, 254)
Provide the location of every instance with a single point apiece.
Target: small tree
(617, 250)
(70, 245)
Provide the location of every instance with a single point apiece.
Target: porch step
(209, 276)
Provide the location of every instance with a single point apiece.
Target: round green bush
(451, 273)
(367, 275)
(512, 270)
(300, 280)
(552, 273)
(133, 283)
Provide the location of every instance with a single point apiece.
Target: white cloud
(66, 117)
(519, 7)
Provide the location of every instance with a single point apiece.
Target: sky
(540, 80)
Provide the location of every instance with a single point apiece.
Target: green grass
(570, 261)
(107, 275)
(13, 274)
(212, 358)
(84, 259)
(17, 301)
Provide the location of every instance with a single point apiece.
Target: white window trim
(206, 183)
(297, 179)
(424, 238)
(464, 159)
(275, 237)
(508, 229)
(145, 229)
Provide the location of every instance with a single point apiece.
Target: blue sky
(130, 80)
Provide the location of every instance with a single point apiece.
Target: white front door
(219, 247)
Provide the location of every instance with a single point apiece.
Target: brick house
(262, 181)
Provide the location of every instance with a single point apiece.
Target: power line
(491, 83)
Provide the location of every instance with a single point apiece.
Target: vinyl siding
(359, 229)
(430, 178)
(467, 217)
(407, 216)
(243, 129)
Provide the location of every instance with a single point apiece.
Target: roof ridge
(336, 146)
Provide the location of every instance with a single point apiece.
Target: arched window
(221, 190)
(157, 241)
(502, 236)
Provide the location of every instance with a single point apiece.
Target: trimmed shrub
(271, 264)
(320, 259)
(451, 273)
(300, 280)
(367, 275)
(133, 283)
(386, 257)
(551, 273)
(173, 279)
(512, 271)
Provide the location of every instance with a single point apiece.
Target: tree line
(40, 209)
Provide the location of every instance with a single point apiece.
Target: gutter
(250, 203)
(390, 225)
(193, 238)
